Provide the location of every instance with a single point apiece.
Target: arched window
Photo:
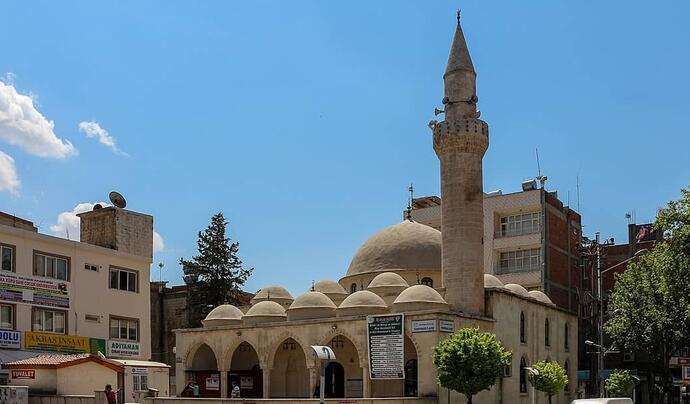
(565, 337)
(547, 331)
(428, 282)
(353, 288)
(566, 368)
(523, 375)
(523, 336)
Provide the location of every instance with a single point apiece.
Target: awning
(11, 355)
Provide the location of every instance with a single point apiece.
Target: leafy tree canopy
(216, 275)
(470, 361)
(551, 378)
(619, 383)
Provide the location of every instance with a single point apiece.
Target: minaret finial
(458, 15)
(312, 286)
(410, 201)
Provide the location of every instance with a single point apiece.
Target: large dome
(404, 246)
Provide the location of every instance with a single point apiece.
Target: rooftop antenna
(117, 199)
(160, 271)
(577, 184)
(408, 211)
(542, 178)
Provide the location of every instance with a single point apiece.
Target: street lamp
(534, 372)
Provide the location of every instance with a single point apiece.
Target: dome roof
(388, 279)
(407, 245)
(541, 296)
(224, 314)
(491, 281)
(272, 292)
(419, 294)
(328, 286)
(267, 308)
(517, 289)
(312, 300)
(363, 298)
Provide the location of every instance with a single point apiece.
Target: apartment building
(62, 296)
(530, 238)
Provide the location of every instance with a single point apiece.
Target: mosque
(432, 282)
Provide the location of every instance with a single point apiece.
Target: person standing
(195, 390)
(235, 392)
(110, 394)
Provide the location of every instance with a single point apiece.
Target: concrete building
(379, 320)
(530, 238)
(66, 297)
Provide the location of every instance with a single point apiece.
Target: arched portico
(344, 378)
(202, 369)
(289, 377)
(245, 370)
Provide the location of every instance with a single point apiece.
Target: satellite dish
(97, 206)
(117, 199)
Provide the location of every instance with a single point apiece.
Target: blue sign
(583, 375)
(11, 339)
(605, 374)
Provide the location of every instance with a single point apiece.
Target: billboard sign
(11, 339)
(32, 290)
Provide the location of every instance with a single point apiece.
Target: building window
(124, 328)
(49, 321)
(7, 257)
(566, 343)
(123, 279)
(353, 288)
(517, 225)
(520, 260)
(6, 317)
(523, 375)
(140, 382)
(91, 267)
(523, 336)
(428, 282)
(51, 266)
(547, 332)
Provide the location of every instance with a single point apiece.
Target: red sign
(683, 361)
(23, 374)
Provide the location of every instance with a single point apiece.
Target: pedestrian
(110, 394)
(195, 390)
(235, 392)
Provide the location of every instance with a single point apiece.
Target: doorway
(335, 381)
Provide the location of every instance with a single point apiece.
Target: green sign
(386, 343)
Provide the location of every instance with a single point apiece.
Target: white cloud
(9, 181)
(22, 125)
(68, 223)
(158, 244)
(93, 129)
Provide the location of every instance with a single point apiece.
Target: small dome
(361, 303)
(419, 297)
(517, 289)
(267, 310)
(275, 293)
(327, 286)
(311, 305)
(225, 314)
(491, 281)
(540, 296)
(405, 246)
(388, 279)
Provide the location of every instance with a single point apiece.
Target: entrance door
(411, 378)
(335, 380)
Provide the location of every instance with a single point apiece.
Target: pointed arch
(289, 374)
(273, 349)
(361, 351)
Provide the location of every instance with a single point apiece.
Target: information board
(25, 289)
(386, 343)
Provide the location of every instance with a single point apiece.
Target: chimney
(118, 229)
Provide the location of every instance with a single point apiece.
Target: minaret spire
(460, 79)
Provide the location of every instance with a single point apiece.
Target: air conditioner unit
(629, 357)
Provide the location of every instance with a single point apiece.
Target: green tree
(619, 383)
(649, 308)
(216, 275)
(551, 378)
(470, 361)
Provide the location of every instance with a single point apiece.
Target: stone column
(224, 384)
(366, 383)
(314, 379)
(266, 373)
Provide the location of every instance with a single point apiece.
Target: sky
(304, 122)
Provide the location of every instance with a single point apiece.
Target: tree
(551, 378)
(619, 383)
(649, 308)
(470, 361)
(215, 276)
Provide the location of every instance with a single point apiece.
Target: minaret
(460, 142)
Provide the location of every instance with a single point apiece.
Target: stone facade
(118, 229)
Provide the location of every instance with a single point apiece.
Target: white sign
(213, 382)
(423, 325)
(386, 343)
(140, 371)
(446, 325)
(11, 339)
(123, 348)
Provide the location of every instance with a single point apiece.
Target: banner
(26, 289)
(386, 343)
(36, 341)
(11, 339)
(122, 348)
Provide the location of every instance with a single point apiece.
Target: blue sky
(304, 122)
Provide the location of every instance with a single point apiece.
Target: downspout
(543, 239)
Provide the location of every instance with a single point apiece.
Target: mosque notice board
(386, 343)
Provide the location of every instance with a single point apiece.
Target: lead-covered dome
(332, 289)
(264, 311)
(225, 314)
(405, 246)
(361, 303)
(311, 305)
(275, 293)
(419, 297)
